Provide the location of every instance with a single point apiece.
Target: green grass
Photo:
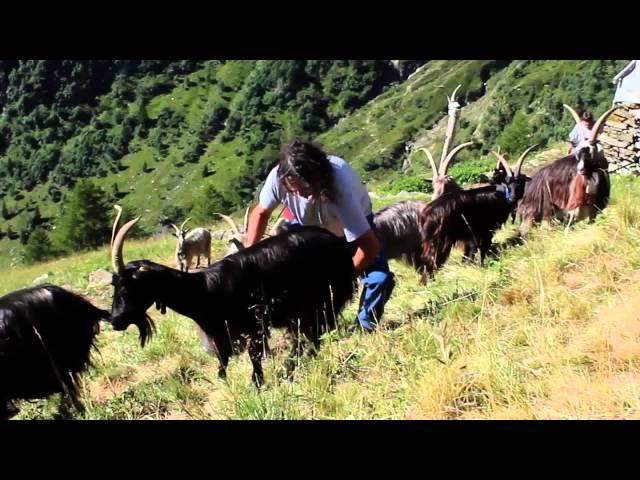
(550, 329)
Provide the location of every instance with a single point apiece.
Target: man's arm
(368, 247)
(258, 220)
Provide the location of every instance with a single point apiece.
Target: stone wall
(621, 139)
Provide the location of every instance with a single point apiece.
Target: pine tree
(85, 220)
(39, 246)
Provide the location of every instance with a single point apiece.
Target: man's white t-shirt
(347, 216)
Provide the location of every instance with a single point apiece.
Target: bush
(410, 184)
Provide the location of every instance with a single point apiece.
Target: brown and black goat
(470, 216)
(576, 185)
(397, 224)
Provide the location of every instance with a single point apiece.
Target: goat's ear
(174, 234)
(238, 244)
(140, 271)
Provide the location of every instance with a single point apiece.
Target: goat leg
(470, 249)
(256, 350)
(296, 351)
(485, 245)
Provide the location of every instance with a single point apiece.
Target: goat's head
(236, 242)
(180, 234)
(132, 295)
(588, 152)
(443, 183)
(513, 179)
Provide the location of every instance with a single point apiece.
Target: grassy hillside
(548, 330)
(219, 125)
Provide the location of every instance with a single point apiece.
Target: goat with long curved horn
(434, 169)
(230, 221)
(502, 161)
(116, 247)
(573, 113)
(184, 223)
(115, 223)
(522, 157)
(445, 165)
(576, 185)
(595, 131)
(454, 107)
(452, 98)
(246, 219)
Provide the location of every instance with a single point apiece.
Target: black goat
(471, 216)
(300, 280)
(576, 185)
(397, 224)
(46, 336)
(504, 175)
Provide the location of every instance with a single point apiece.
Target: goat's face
(180, 250)
(586, 155)
(499, 176)
(132, 297)
(442, 184)
(517, 185)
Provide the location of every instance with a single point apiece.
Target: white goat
(195, 243)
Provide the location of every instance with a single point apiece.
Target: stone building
(621, 134)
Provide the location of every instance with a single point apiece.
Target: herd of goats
(47, 332)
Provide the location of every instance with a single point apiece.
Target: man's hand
(368, 247)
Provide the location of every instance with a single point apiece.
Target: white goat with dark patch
(192, 244)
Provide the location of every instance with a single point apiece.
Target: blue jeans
(377, 282)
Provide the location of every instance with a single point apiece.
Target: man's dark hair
(308, 163)
(586, 116)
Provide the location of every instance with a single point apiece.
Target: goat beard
(146, 329)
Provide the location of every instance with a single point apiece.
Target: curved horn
(176, 229)
(445, 165)
(431, 161)
(598, 124)
(521, 159)
(246, 219)
(116, 248)
(230, 221)
(573, 113)
(452, 98)
(498, 162)
(184, 223)
(115, 224)
(501, 160)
